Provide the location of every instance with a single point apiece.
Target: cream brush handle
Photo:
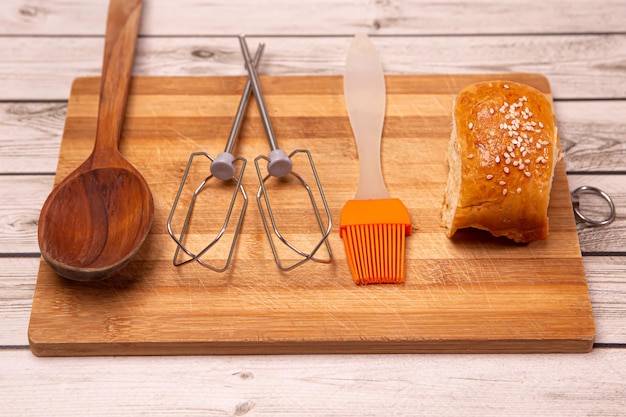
(365, 96)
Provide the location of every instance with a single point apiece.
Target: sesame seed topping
(470, 156)
(505, 191)
(506, 86)
(519, 190)
(489, 176)
(471, 126)
(518, 123)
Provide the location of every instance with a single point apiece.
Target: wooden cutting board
(471, 294)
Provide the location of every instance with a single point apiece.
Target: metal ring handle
(592, 190)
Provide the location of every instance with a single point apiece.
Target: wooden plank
(325, 385)
(598, 239)
(17, 286)
(22, 198)
(607, 289)
(606, 277)
(252, 308)
(591, 135)
(36, 68)
(30, 136)
(322, 17)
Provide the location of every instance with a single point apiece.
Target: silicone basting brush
(373, 226)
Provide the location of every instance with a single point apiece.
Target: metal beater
(223, 168)
(279, 165)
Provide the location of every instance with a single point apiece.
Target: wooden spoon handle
(119, 52)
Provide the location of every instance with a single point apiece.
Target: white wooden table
(579, 45)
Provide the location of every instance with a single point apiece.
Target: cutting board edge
(527, 346)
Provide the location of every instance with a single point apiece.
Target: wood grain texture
(22, 198)
(591, 135)
(594, 239)
(318, 385)
(17, 286)
(322, 17)
(606, 277)
(42, 68)
(30, 136)
(254, 309)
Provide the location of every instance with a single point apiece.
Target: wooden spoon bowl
(96, 219)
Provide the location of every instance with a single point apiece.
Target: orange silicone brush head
(373, 233)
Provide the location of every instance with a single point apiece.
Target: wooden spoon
(96, 219)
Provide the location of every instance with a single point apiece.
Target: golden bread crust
(503, 151)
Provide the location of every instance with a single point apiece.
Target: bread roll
(501, 158)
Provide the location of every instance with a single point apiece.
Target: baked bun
(501, 159)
